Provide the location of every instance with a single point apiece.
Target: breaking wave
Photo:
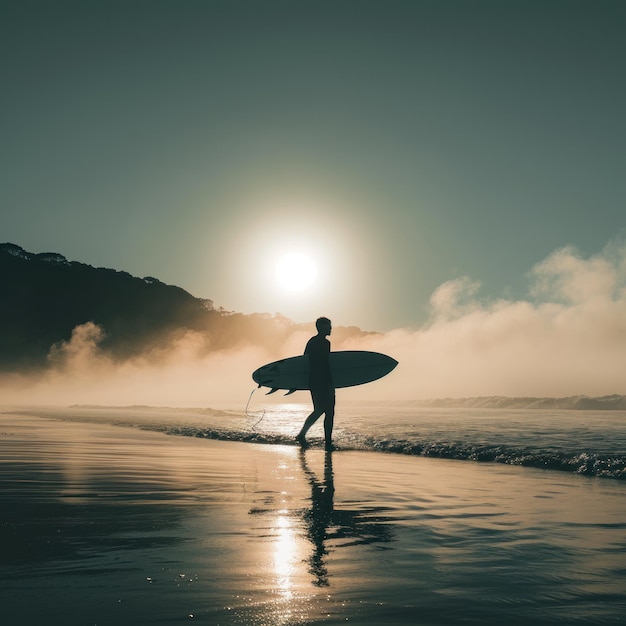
(584, 463)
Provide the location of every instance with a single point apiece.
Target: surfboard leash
(249, 414)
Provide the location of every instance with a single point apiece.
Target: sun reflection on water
(285, 549)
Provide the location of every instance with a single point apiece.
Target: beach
(105, 524)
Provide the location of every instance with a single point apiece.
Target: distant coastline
(614, 402)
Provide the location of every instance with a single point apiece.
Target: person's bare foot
(302, 441)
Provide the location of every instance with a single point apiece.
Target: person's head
(323, 325)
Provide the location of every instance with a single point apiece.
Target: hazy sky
(400, 144)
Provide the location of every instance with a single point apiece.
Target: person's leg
(307, 424)
(313, 417)
(329, 420)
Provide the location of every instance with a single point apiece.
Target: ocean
(591, 443)
(429, 516)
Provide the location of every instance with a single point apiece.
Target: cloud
(181, 375)
(81, 353)
(454, 298)
(568, 337)
(568, 277)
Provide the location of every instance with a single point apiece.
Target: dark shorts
(323, 399)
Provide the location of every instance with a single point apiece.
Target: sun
(295, 271)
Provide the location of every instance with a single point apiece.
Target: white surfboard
(348, 369)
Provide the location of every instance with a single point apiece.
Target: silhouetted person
(320, 382)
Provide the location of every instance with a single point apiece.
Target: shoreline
(504, 442)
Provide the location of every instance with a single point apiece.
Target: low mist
(568, 337)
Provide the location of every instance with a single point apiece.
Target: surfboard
(348, 369)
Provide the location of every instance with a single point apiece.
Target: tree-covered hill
(44, 297)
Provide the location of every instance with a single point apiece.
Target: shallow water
(592, 443)
(110, 525)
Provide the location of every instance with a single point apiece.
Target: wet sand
(110, 525)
